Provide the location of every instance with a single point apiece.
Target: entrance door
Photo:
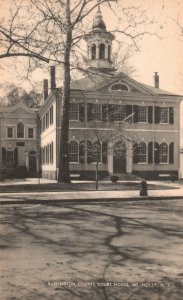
(119, 157)
(32, 164)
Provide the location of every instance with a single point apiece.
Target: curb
(86, 201)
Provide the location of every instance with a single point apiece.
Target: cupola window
(109, 52)
(93, 51)
(102, 51)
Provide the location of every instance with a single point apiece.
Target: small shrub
(114, 178)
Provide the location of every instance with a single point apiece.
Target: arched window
(97, 151)
(163, 153)
(102, 51)
(119, 87)
(142, 153)
(109, 52)
(93, 52)
(20, 130)
(73, 152)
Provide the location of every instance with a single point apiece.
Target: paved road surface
(120, 250)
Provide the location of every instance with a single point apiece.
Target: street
(112, 250)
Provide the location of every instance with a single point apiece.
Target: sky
(163, 55)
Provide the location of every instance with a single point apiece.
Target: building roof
(95, 81)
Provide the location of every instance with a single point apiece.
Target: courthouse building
(149, 118)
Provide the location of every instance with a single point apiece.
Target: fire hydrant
(143, 188)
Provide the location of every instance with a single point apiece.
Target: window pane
(97, 152)
(74, 111)
(142, 153)
(73, 152)
(163, 114)
(142, 114)
(10, 132)
(30, 133)
(96, 112)
(119, 112)
(163, 153)
(20, 130)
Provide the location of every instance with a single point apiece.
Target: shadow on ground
(111, 252)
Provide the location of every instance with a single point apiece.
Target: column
(110, 157)
(129, 158)
(97, 50)
(27, 161)
(106, 51)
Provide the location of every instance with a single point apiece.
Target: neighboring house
(19, 141)
(151, 147)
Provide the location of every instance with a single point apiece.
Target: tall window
(142, 114)
(74, 111)
(142, 153)
(119, 112)
(93, 52)
(30, 133)
(20, 130)
(73, 151)
(164, 115)
(96, 112)
(10, 132)
(102, 51)
(163, 153)
(51, 115)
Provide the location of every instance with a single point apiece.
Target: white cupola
(99, 42)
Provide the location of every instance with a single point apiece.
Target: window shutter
(135, 117)
(89, 152)
(4, 156)
(135, 153)
(81, 152)
(129, 112)
(104, 112)
(16, 156)
(171, 153)
(156, 153)
(104, 152)
(171, 115)
(150, 153)
(81, 112)
(89, 112)
(150, 114)
(157, 115)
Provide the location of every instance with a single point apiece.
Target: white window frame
(12, 132)
(145, 115)
(30, 138)
(141, 155)
(167, 108)
(167, 161)
(97, 112)
(72, 153)
(76, 111)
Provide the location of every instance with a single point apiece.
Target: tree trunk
(64, 173)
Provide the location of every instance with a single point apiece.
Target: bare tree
(51, 31)
(104, 132)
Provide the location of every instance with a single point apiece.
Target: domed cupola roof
(98, 22)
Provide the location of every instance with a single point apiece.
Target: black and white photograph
(91, 149)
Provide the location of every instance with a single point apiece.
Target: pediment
(121, 84)
(19, 109)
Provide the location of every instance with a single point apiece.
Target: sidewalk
(168, 190)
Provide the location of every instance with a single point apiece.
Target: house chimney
(52, 74)
(156, 80)
(45, 89)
